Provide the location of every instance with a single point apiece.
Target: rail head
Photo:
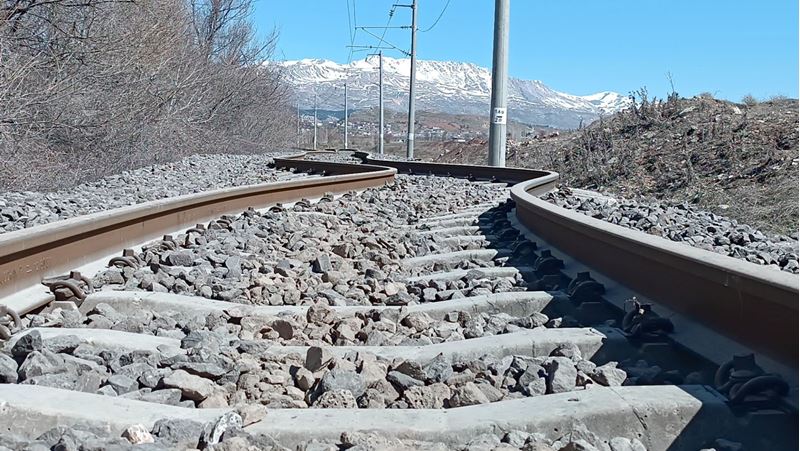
(540, 181)
(29, 255)
(45, 234)
(728, 294)
(712, 265)
(752, 303)
(299, 162)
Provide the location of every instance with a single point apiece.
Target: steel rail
(544, 180)
(749, 303)
(30, 255)
(752, 304)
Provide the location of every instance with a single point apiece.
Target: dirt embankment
(736, 160)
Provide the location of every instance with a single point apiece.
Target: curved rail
(753, 304)
(28, 256)
(544, 180)
(667, 417)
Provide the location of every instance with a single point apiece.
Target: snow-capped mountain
(442, 86)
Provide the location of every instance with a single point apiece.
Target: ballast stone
(561, 374)
(340, 379)
(122, 384)
(192, 387)
(138, 434)
(178, 432)
(8, 370)
(337, 399)
(609, 375)
(467, 395)
(30, 342)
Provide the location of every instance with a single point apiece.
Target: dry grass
(734, 159)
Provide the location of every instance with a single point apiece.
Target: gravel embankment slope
(19, 210)
(686, 224)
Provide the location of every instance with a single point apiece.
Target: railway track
(373, 308)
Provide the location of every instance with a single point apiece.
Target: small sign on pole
(499, 116)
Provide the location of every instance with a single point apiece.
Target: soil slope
(736, 160)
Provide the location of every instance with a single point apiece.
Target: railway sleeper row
(471, 322)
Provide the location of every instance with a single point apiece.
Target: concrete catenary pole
(499, 112)
(345, 115)
(412, 82)
(380, 103)
(315, 121)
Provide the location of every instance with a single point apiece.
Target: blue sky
(729, 48)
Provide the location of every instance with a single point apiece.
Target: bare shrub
(92, 87)
(749, 100)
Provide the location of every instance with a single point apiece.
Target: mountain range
(442, 86)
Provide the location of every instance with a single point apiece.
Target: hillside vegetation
(738, 160)
(95, 87)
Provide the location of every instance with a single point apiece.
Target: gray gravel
(334, 252)
(686, 224)
(321, 326)
(337, 157)
(194, 174)
(346, 251)
(220, 370)
(390, 157)
(349, 157)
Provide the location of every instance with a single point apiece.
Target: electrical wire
(352, 30)
(355, 23)
(437, 19)
(382, 37)
(349, 23)
(386, 28)
(388, 43)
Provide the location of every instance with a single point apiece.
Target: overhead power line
(437, 19)
(382, 38)
(382, 44)
(385, 28)
(351, 29)
(383, 41)
(349, 22)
